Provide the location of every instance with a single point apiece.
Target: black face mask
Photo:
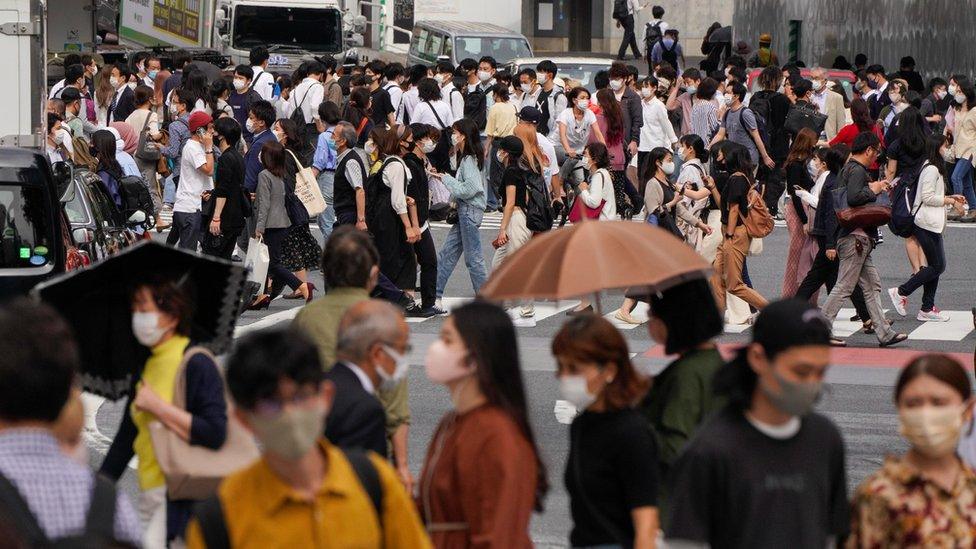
(718, 168)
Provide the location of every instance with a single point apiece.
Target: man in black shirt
(382, 105)
(908, 73)
(765, 471)
(773, 106)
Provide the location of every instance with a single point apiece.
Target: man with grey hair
(371, 349)
(348, 192)
(828, 101)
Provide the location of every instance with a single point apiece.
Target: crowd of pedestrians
(392, 148)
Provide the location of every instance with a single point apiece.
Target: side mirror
(82, 236)
(68, 194)
(63, 174)
(137, 217)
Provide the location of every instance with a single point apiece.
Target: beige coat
(836, 114)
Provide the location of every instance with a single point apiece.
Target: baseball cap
(70, 94)
(199, 120)
(512, 145)
(530, 114)
(790, 323)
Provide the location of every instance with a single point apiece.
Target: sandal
(869, 327)
(895, 339)
(837, 342)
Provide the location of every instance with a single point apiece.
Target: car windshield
(314, 30)
(25, 227)
(502, 49)
(581, 72)
(75, 208)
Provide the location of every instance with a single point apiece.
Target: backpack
(903, 209)
(545, 99)
(757, 221)
(210, 513)
(761, 125)
(83, 157)
(135, 197)
(298, 116)
(539, 215)
(99, 523)
(670, 55)
(439, 157)
(379, 207)
(653, 35)
(475, 107)
(620, 9)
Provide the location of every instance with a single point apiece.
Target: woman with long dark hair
(862, 122)
(929, 224)
(801, 170)
(610, 122)
(467, 189)
(906, 154)
(731, 255)
(611, 473)
(416, 142)
(964, 142)
(300, 252)
(108, 170)
(696, 189)
(357, 114)
(483, 475)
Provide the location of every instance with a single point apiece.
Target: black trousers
(630, 39)
(385, 288)
(280, 275)
(427, 259)
(823, 272)
(775, 185)
(221, 246)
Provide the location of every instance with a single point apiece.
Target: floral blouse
(897, 507)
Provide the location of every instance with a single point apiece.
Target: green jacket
(320, 321)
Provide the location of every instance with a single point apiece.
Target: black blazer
(124, 106)
(357, 418)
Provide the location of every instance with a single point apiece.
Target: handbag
(147, 149)
(581, 211)
(256, 262)
(868, 216)
(297, 213)
(208, 205)
(800, 117)
(307, 189)
(194, 472)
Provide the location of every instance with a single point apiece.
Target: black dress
(229, 185)
(300, 250)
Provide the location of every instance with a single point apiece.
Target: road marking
(959, 325)
(267, 322)
(639, 313)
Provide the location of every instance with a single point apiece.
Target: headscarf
(126, 138)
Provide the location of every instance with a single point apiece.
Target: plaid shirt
(57, 488)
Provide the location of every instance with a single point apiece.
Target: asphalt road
(858, 395)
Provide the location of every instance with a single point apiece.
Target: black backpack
(544, 99)
(619, 9)
(476, 107)
(539, 214)
(379, 207)
(210, 513)
(652, 35)
(670, 55)
(99, 524)
(903, 210)
(761, 125)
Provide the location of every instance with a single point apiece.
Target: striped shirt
(704, 119)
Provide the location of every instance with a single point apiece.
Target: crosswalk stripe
(959, 325)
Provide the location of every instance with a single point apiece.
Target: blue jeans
(962, 181)
(187, 226)
(465, 237)
(169, 190)
(327, 218)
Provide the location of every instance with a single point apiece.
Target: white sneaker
(899, 301)
(935, 315)
(527, 311)
(438, 304)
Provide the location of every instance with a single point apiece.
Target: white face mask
(484, 76)
(728, 99)
(667, 168)
(574, 390)
(941, 94)
(141, 67)
(440, 78)
(249, 125)
(586, 162)
(646, 93)
(455, 139)
(526, 87)
(389, 381)
(145, 326)
(279, 135)
(960, 98)
(616, 85)
(813, 168)
(542, 78)
(818, 85)
(174, 109)
(583, 104)
(953, 89)
(94, 70)
(240, 84)
(427, 146)
(114, 82)
(947, 154)
(370, 147)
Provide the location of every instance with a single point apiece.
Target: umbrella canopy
(592, 256)
(723, 34)
(96, 302)
(212, 71)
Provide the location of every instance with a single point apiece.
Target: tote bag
(194, 472)
(307, 189)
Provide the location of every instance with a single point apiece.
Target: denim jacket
(468, 185)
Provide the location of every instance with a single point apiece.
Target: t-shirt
(193, 182)
(736, 191)
(734, 486)
(502, 118)
(611, 470)
(577, 131)
(779, 107)
(382, 105)
(514, 177)
(906, 162)
(737, 126)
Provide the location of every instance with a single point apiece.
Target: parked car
(841, 82)
(97, 227)
(578, 70)
(32, 233)
(457, 40)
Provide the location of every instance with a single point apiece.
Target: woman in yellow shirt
(161, 314)
(502, 119)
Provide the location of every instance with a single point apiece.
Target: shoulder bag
(147, 149)
(194, 472)
(307, 188)
(581, 211)
(800, 117)
(757, 220)
(868, 216)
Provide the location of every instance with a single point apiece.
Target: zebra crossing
(553, 314)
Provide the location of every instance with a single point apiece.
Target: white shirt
(397, 177)
(354, 173)
(820, 100)
(661, 25)
(577, 131)
(408, 102)
(193, 182)
(57, 89)
(363, 378)
(452, 96)
(557, 104)
(263, 83)
(396, 96)
(422, 114)
(308, 96)
(548, 149)
(657, 130)
(633, 6)
(930, 200)
(779, 432)
(601, 189)
(812, 197)
(530, 99)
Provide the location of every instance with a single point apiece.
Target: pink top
(617, 158)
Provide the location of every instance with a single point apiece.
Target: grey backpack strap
(19, 515)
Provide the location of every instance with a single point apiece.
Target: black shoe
(588, 310)
(428, 312)
(236, 258)
(414, 311)
(855, 318)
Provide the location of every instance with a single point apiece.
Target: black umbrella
(212, 71)
(96, 302)
(722, 34)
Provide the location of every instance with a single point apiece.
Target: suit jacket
(124, 106)
(836, 114)
(357, 419)
(633, 115)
